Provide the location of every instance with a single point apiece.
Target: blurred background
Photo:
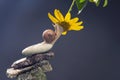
(89, 54)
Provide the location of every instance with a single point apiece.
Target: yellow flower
(65, 22)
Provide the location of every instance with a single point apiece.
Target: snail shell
(49, 36)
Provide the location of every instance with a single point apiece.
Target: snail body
(37, 48)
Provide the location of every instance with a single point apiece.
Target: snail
(49, 38)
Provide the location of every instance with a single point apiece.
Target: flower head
(65, 22)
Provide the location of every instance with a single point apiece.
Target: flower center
(65, 25)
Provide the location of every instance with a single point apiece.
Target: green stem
(70, 9)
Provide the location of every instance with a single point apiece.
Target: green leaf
(105, 3)
(90, 0)
(81, 5)
(81, 1)
(97, 2)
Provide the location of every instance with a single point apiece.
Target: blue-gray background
(90, 54)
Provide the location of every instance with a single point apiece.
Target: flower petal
(53, 19)
(79, 23)
(76, 28)
(58, 15)
(64, 33)
(68, 16)
(74, 20)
